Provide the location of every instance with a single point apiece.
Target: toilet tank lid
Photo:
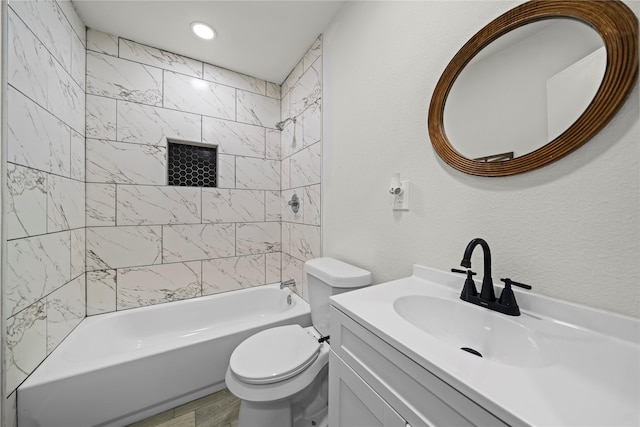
(337, 273)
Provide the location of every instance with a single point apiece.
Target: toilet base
(307, 408)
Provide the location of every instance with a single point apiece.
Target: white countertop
(594, 381)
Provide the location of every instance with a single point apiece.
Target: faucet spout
(487, 292)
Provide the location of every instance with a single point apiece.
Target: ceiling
(263, 39)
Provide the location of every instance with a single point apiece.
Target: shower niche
(191, 165)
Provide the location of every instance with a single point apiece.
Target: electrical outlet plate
(401, 201)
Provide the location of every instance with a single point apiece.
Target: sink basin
(477, 330)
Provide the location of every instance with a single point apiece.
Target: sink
(477, 330)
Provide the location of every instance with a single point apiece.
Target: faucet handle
(508, 282)
(467, 272)
(469, 289)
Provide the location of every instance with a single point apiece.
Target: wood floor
(216, 410)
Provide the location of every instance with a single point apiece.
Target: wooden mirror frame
(618, 27)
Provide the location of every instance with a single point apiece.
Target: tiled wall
(44, 291)
(301, 163)
(150, 243)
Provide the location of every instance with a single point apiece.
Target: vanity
(397, 359)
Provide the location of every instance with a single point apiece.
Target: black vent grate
(191, 165)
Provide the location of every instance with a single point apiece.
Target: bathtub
(121, 367)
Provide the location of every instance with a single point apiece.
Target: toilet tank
(327, 277)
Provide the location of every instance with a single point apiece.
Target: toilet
(281, 374)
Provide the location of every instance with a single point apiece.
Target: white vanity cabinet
(371, 383)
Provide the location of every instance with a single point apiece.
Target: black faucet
(487, 298)
(486, 293)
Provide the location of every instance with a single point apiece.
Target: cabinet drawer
(417, 395)
(352, 403)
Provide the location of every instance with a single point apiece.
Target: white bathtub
(121, 367)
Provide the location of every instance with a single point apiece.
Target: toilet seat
(274, 355)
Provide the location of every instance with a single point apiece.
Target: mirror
(534, 85)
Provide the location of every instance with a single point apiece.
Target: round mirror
(533, 85)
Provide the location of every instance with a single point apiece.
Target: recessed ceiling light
(202, 30)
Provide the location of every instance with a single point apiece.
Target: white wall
(570, 229)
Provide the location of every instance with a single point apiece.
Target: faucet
(487, 298)
(288, 284)
(486, 293)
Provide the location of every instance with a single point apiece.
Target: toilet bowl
(281, 374)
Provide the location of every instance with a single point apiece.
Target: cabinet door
(352, 403)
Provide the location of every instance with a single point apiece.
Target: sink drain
(472, 351)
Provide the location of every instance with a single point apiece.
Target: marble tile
(273, 206)
(234, 138)
(101, 292)
(198, 241)
(66, 307)
(292, 78)
(233, 79)
(285, 106)
(198, 96)
(226, 171)
(285, 180)
(116, 247)
(122, 79)
(28, 62)
(257, 237)
(74, 19)
(78, 61)
(78, 167)
(287, 213)
(35, 137)
(286, 237)
(273, 90)
(78, 252)
(26, 203)
(307, 90)
(11, 410)
(60, 154)
(156, 284)
(124, 163)
(101, 205)
(65, 204)
(312, 125)
(159, 58)
(228, 205)
(306, 166)
(272, 150)
(311, 207)
(101, 117)
(26, 343)
(65, 98)
(273, 267)
(138, 205)
(143, 124)
(305, 241)
(48, 23)
(258, 109)
(314, 52)
(35, 267)
(228, 274)
(293, 268)
(100, 42)
(257, 174)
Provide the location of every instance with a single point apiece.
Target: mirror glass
(524, 89)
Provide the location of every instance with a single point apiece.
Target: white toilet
(281, 374)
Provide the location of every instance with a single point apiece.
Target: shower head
(280, 125)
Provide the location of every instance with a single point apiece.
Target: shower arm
(280, 125)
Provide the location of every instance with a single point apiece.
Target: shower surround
(93, 227)
(148, 242)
